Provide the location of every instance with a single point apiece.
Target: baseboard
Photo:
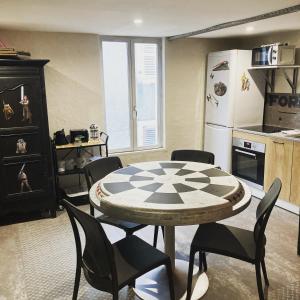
(288, 206)
(279, 203)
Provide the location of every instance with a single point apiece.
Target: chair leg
(170, 279)
(200, 261)
(204, 261)
(132, 284)
(155, 236)
(190, 273)
(258, 280)
(116, 295)
(263, 266)
(92, 210)
(163, 231)
(77, 281)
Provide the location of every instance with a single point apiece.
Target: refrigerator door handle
(218, 127)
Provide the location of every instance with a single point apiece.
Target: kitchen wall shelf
(270, 76)
(274, 67)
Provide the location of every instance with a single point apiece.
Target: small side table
(80, 193)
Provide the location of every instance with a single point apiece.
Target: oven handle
(244, 152)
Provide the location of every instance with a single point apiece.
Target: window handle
(135, 111)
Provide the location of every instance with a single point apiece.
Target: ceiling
(160, 17)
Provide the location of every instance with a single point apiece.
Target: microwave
(273, 55)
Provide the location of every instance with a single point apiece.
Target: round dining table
(170, 193)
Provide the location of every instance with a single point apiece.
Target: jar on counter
(94, 132)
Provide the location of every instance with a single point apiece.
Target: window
(133, 97)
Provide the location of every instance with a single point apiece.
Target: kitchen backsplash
(283, 110)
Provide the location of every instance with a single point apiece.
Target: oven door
(248, 165)
(262, 56)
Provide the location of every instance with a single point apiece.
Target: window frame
(131, 41)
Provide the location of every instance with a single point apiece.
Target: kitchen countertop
(274, 135)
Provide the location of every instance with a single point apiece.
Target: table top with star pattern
(170, 193)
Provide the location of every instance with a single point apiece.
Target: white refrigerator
(233, 99)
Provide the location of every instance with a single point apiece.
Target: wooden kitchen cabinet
(282, 159)
(295, 184)
(278, 163)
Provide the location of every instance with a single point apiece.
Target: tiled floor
(37, 260)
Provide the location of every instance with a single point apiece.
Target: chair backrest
(263, 212)
(193, 155)
(104, 137)
(97, 259)
(99, 168)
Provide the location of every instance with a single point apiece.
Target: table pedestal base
(154, 285)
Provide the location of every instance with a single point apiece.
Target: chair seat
(128, 227)
(225, 240)
(135, 257)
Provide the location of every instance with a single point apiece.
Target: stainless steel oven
(248, 161)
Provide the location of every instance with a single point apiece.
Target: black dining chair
(97, 170)
(193, 155)
(245, 245)
(110, 267)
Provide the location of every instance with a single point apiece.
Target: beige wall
(185, 89)
(291, 37)
(73, 82)
(75, 92)
(249, 42)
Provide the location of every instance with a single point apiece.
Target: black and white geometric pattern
(170, 183)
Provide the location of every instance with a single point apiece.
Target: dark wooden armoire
(26, 168)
